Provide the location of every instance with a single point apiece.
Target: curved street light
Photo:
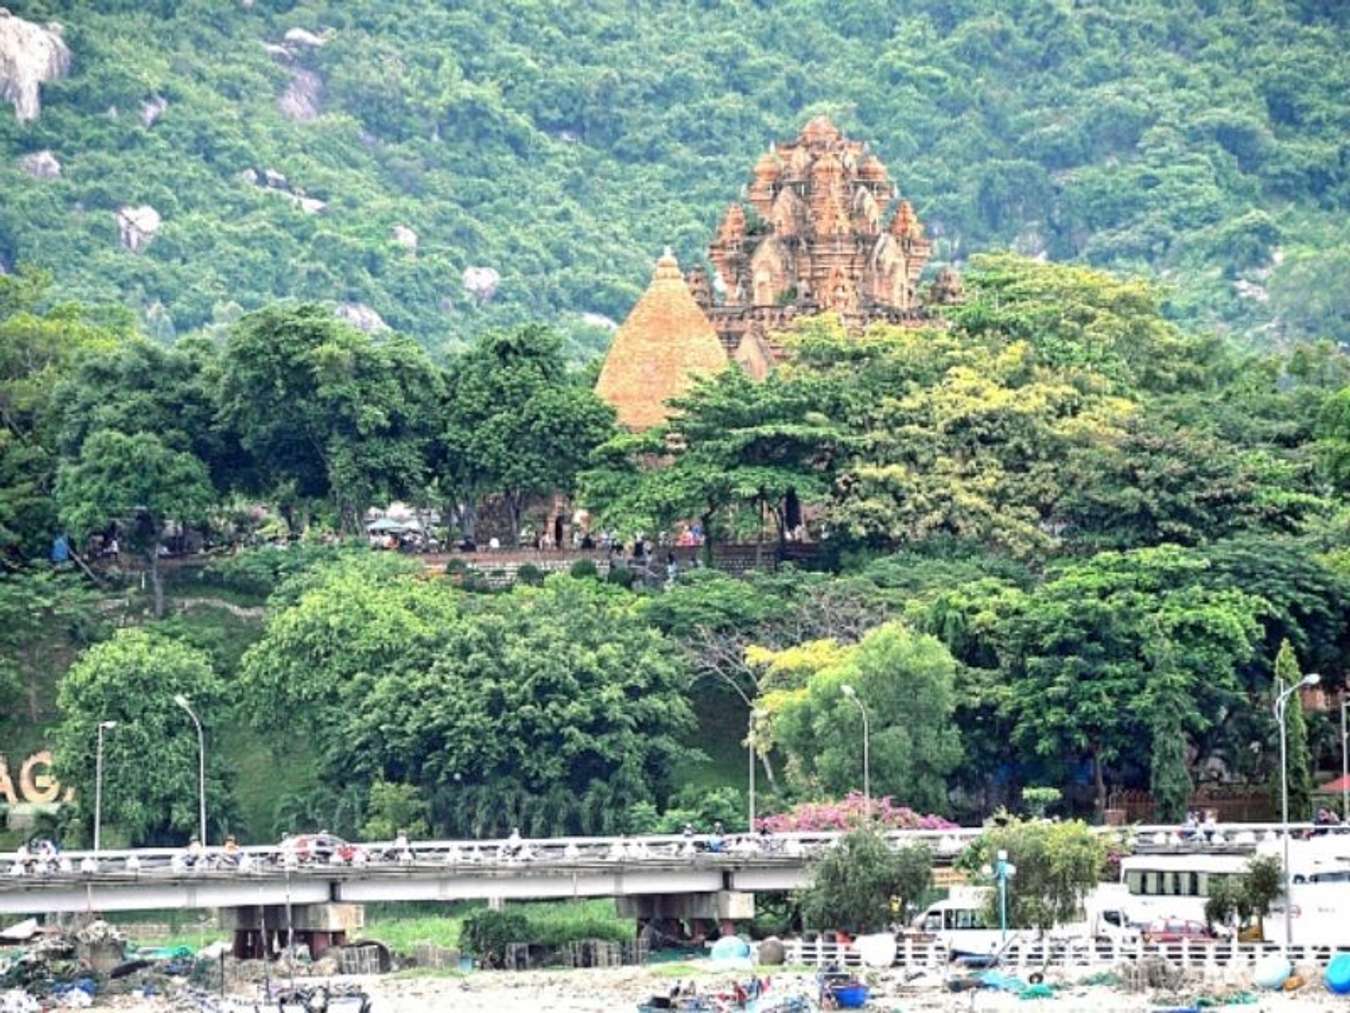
(852, 694)
(1281, 705)
(103, 726)
(183, 702)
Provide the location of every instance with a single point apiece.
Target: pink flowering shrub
(849, 813)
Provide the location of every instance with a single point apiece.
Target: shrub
(622, 576)
(585, 568)
(529, 574)
(486, 934)
(854, 885)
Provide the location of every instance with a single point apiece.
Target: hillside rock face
(361, 316)
(405, 237)
(136, 226)
(300, 100)
(40, 165)
(30, 55)
(481, 282)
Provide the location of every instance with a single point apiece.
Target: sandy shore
(619, 990)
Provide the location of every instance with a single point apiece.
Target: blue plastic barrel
(1338, 974)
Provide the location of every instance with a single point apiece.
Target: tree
(1262, 885)
(517, 422)
(1169, 776)
(333, 632)
(393, 809)
(906, 682)
(852, 886)
(734, 444)
(1080, 653)
(1299, 763)
(43, 614)
(137, 483)
(547, 708)
(150, 760)
(1058, 865)
(327, 412)
(38, 351)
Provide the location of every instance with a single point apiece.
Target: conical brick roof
(665, 343)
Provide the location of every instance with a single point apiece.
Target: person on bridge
(196, 853)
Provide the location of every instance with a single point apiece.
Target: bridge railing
(796, 846)
(1031, 954)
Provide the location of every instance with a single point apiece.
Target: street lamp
(852, 694)
(1281, 705)
(182, 701)
(1345, 757)
(1002, 871)
(103, 726)
(750, 741)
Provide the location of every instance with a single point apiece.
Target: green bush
(486, 934)
(529, 574)
(584, 568)
(621, 576)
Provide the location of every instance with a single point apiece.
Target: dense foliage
(562, 145)
(863, 884)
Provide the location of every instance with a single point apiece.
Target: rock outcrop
(152, 110)
(300, 101)
(302, 37)
(361, 316)
(136, 226)
(40, 165)
(30, 56)
(405, 237)
(481, 282)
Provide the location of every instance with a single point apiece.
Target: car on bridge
(321, 849)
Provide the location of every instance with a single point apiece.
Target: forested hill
(562, 144)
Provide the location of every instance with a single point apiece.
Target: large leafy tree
(1085, 648)
(44, 614)
(38, 350)
(333, 633)
(906, 682)
(150, 761)
(550, 708)
(854, 884)
(140, 386)
(139, 484)
(328, 413)
(765, 448)
(1058, 865)
(517, 421)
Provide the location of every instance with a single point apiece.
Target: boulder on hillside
(30, 56)
(300, 100)
(153, 109)
(481, 282)
(136, 226)
(361, 316)
(405, 237)
(40, 165)
(600, 320)
(302, 37)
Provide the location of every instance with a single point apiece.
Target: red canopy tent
(1335, 787)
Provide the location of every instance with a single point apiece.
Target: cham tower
(814, 235)
(664, 345)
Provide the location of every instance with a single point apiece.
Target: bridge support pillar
(264, 929)
(725, 907)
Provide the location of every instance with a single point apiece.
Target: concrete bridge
(668, 877)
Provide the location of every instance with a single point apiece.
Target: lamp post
(1002, 871)
(103, 726)
(1345, 757)
(183, 702)
(750, 741)
(1281, 705)
(852, 694)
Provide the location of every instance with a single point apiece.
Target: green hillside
(562, 144)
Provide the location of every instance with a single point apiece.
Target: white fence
(1034, 954)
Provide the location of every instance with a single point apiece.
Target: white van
(961, 922)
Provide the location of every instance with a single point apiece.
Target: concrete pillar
(318, 926)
